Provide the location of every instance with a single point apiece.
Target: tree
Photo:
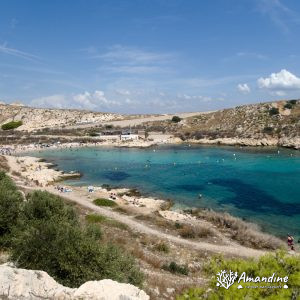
(176, 119)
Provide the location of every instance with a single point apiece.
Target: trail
(138, 121)
(231, 249)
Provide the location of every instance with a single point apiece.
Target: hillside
(36, 118)
(271, 123)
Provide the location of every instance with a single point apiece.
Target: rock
(21, 284)
(109, 290)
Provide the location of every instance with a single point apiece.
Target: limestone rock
(21, 284)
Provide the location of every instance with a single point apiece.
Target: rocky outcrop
(21, 284)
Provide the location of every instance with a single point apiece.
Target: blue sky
(142, 56)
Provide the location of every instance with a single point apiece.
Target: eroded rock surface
(21, 284)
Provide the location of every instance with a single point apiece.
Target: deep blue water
(257, 184)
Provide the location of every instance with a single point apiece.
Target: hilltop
(36, 118)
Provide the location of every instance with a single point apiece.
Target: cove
(260, 185)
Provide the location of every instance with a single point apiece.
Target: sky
(149, 56)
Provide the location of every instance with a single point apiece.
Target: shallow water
(260, 185)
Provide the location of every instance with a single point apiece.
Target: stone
(21, 284)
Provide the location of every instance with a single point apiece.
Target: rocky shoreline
(284, 142)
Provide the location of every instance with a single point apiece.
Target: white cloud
(86, 100)
(244, 88)
(15, 52)
(133, 55)
(131, 60)
(279, 14)
(123, 92)
(281, 81)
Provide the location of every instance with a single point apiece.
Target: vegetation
(104, 202)
(99, 219)
(10, 202)
(173, 267)
(45, 234)
(288, 105)
(176, 119)
(245, 233)
(274, 111)
(11, 125)
(162, 247)
(281, 264)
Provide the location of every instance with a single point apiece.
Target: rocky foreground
(21, 284)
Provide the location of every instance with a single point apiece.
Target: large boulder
(21, 284)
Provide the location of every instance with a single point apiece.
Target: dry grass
(191, 232)
(247, 234)
(147, 257)
(3, 164)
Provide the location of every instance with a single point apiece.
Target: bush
(173, 267)
(162, 247)
(293, 102)
(176, 119)
(268, 130)
(48, 237)
(288, 105)
(94, 219)
(281, 263)
(10, 203)
(42, 205)
(274, 111)
(104, 202)
(187, 232)
(11, 125)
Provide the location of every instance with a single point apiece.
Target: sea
(259, 185)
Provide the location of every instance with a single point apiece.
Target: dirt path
(235, 250)
(138, 121)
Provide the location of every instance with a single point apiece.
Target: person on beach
(290, 241)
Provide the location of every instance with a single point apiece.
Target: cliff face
(36, 118)
(21, 284)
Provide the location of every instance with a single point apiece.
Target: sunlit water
(259, 185)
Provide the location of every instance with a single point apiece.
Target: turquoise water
(259, 185)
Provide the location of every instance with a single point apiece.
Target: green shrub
(49, 237)
(293, 102)
(42, 205)
(288, 105)
(10, 203)
(173, 267)
(162, 247)
(94, 219)
(104, 202)
(93, 133)
(274, 111)
(11, 125)
(280, 263)
(176, 119)
(268, 130)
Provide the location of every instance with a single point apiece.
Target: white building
(129, 137)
